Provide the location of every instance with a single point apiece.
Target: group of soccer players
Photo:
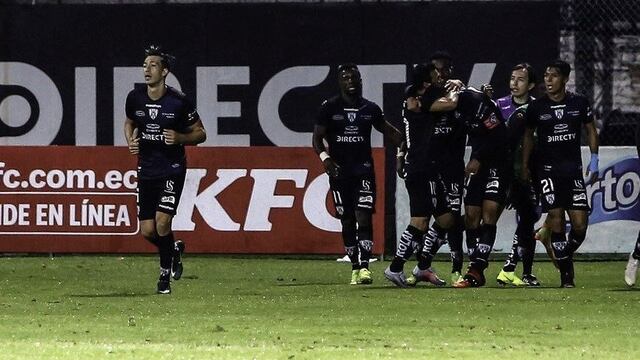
(440, 118)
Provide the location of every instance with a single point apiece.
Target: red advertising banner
(266, 200)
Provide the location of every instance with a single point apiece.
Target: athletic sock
(455, 245)
(407, 244)
(480, 256)
(429, 241)
(352, 253)
(512, 259)
(472, 238)
(165, 248)
(365, 247)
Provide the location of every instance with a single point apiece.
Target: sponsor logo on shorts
(168, 199)
(493, 184)
(365, 199)
(580, 197)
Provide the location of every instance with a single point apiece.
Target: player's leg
(166, 248)
(455, 233)
(343, 199)
(148, 194)
(365, 244)
(410, 240)
(507, 274)
(631, 270)
(366, 203)
(527, 242)
(435, 237)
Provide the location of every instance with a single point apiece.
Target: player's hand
(592, 169)
(171, 137)
(331, 168)
(400, 167)
(414, 104)
(472, 168)
(453, 85)
(487, 89)
(134, 142)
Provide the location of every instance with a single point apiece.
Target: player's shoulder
(577, 98)
(138, 91)
(504, 101)
(331, 103)
(370, 105)
(173, 92)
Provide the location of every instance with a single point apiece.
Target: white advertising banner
(614, 220)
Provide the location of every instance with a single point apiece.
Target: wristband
(324, 156)
(400, 153)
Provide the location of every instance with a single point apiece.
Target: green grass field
(257, 308)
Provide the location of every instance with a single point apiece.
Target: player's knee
(446, 221)
(419, 223)
(163, 226)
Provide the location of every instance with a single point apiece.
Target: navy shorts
(568, 193)
(490, 183)
(159, 195)
(427, 194)
(353, 192)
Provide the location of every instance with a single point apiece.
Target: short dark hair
(530, 72)
(347, 66)
(166, 59)
(421, 73)
(441, 55)
(562, 66)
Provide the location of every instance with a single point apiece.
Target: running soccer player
(487, 176)
(344, 122)
(160, 121)
(424, 106)
(522, 196)
(631, 270)
(558, 118)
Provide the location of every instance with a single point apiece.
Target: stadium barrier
(235, 200)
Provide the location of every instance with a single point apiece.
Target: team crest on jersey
(351, 116)
(559, 113)
(550, 198)
(153, 113)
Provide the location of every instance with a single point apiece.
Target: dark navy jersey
(172, 111)
(419, 128)
(448, 140)
(485, 126)
(349, 133)
(559, 127)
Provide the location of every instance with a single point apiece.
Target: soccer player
(487, 179)
(450, 139)
(631, 270)
(160, 122)
(344, 122)
(424, 106)
(522, 196)
(558, 118)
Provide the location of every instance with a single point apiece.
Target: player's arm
(592, 140)
(319, 135)
(193, 135)
(131, 136)
(446, 103)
